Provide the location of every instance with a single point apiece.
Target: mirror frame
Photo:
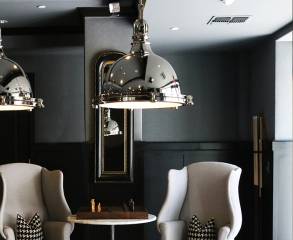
(103, 62)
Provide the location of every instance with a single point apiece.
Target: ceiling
(191, 16)
(24, 13)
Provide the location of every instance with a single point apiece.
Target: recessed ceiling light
(174, 28)
(2, 21)
(41, 6)
(228, 2)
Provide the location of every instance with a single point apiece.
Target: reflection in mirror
(111, 127)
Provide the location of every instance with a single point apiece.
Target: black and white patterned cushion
(198, 231)
(31, 230)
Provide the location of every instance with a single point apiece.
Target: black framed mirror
(113, 133)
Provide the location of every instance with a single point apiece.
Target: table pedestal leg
(112, 232)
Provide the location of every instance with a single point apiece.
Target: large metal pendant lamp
(15, 89)
(141, 79)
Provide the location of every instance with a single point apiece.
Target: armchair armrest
(173, 230)
(57, 230)
(6, 232)
(234, 203)
(223, 233)
(177, 187)
(53, 193)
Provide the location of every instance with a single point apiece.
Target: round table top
(73, 219)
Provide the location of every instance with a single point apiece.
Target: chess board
(113, 212)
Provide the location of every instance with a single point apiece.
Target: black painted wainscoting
(151, 164)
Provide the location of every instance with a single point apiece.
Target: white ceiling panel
(191, 16)
(21, 13)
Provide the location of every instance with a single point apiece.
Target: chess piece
(131, 204)
(99, 207)
(93, 205)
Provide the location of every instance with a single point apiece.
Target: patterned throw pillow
(29, 231)
(198, 231)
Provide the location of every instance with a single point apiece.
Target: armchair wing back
(26, 189)
(53, 195)
(206, 189)
(22, 192)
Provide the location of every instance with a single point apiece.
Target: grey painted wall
(256, 86)
(212, 79)
(262, 84)
(229, 88)
(59, 80)
(243, 96)
(101, 33)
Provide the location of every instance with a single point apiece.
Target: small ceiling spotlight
(114, 7)
(174, 28)
(41, 6)
(227, 2)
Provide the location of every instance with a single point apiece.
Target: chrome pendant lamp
(141, 79)
(15, 89)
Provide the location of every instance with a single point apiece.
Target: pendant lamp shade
(141, 79)
(15, 89)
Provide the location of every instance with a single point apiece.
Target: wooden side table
(111, 222)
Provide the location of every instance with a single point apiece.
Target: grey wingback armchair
(206, 189)
(27, 189)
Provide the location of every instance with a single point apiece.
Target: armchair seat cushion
(173, 230)
(57, 230)
(223, 233)
(8, 233)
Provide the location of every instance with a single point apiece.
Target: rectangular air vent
(227, 19)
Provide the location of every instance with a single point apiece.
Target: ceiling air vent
(227, 19)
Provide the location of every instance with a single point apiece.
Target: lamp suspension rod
(2, 22)
(140, 9)
(1, 46)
